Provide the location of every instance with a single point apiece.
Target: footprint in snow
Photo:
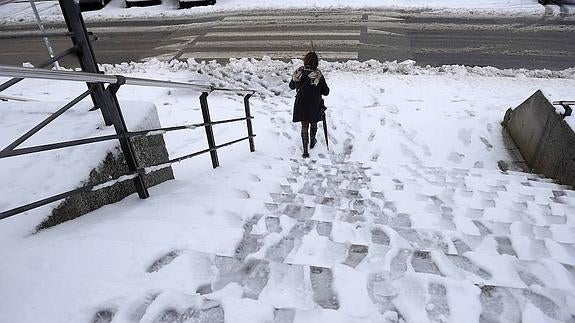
(255, 178)
(347, 147)
(163, 261)
(332, 139)
(104, 316)
(487, 144)
(371, 136)
(455, 157)
(465, 136)
(489, 127)
(408, 152)
(273, 132)
(243, 194)
(392, 109)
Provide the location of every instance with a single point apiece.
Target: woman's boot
(313, 132)
(305, 142)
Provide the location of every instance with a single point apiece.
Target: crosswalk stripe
(489, 50)
(382, 32)
(290, 24)
(178, 45)
(145, 29)
(278, 43)
(271, 54)
(163, 57)
(293, 17)
(464, 27)
(383, 18)
(276, 33)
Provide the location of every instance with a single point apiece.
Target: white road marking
(490, 50)
(294, 17)
(271, 54)
(147, 29)
(163, 57)
(177, 46)
(383, 18)
(466, 27)
(382, 32)
(277, 43)
(275, 33)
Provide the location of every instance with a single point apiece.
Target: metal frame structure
(104, 98)
(122, 134)
(567, 106)
(82, 48)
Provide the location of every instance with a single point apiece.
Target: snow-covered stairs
(505, 235)
(343, 241)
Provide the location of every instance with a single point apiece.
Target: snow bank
(267, 65)
(50, 11)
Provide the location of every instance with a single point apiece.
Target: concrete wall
(545, 140)
(149, 151)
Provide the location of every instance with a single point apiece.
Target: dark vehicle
(142, 3)
(557, 2)
(193, 3)
(87, 5)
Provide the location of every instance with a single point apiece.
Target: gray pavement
(339, 35)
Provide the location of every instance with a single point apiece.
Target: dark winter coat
(310, 86)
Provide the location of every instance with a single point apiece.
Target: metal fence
(113, 113)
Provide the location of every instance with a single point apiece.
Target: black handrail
(119, 179)
(46, 121)
(45, 63)
(566, 105)
(121, 132)
(5, 153)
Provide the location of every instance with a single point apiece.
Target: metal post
(568, 110)
(81, 40)
(125, 142)
(209, 130)
(41, 26)
(249, 121)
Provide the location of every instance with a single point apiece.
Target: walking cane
(323, 117)
(324, 120)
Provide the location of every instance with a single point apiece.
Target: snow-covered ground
(406, 217)
(49, 10)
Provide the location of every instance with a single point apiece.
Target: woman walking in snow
(310, 85)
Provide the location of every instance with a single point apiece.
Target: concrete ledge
(545, 140)
(150, 150)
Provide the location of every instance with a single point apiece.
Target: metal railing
(567, 106)
(122, 134)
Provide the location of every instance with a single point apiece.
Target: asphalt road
(534, 43)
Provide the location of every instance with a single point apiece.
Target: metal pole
(58, 56)
(81, 41)
(249, 121)
(209, 130)
(125, 142)
(41, 26)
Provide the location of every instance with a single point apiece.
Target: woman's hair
(310, 59)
